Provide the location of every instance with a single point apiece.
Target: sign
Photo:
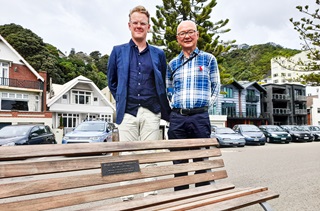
(124, 167)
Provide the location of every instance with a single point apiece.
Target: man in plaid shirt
(193, 84)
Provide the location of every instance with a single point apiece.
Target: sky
(98, 25)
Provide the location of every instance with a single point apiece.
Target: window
(228, 91)
(36, 104)
(251, 110)
(81, 97)
(13, 101)
(229, 109)
(4, 73)
(105, 117)
(318, 110)
(69, 120)
(14, 105)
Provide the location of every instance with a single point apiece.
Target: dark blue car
(12, 135)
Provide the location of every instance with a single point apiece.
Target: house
(241, 103)
(22, 90)
(76, 101)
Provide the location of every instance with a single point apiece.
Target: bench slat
(163, 198)
(63, 165)
(240, 202)
(85, 180)
(209, 199)
(111, 192)
(21, 152)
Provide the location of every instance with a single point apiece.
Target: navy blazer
(118, 73)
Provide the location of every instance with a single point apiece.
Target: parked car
(227, 137)
(26, 135)
(89, 132)
(275, 134)
(251, 133)
(314, 130)
(298, 133)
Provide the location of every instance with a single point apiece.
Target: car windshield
(91, 126)
(250, 129)
(302, 128)
(11, 131)
(314, 128)
(275, 129)
(225, 131)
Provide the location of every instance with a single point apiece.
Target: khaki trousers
(143, 127)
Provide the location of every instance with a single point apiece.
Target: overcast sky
(90, 25)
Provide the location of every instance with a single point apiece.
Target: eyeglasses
(183, 34)
(136, 23)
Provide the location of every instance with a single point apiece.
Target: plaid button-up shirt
(195, 83)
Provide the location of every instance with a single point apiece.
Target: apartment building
(285, 104)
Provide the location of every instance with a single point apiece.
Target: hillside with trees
(44, 56)
(252, 63)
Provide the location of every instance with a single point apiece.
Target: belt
(190, 111)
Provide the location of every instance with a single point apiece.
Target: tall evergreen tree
(173, 12)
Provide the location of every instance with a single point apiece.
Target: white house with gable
(76, 101)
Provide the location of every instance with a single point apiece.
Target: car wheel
(287, 142)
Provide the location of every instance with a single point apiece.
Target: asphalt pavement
(292, 170)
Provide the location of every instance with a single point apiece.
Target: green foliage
(309, 30)
(252, 63)
(43, 56)
(312, 79)
(173, 12)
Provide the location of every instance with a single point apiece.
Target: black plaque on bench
(124, 167)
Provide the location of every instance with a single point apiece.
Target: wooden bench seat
(42, 177)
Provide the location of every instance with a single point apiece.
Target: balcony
(245, 115)
(280, 97)
(252, 98)
(300, 98)
(281, 111)
(21, 83)
(300, 111)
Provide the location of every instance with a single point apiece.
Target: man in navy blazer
(136, 79)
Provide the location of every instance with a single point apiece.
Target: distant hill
(252, 63)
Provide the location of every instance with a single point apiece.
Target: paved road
(292, 170)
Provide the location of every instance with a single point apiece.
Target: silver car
(89, 132)
(227, 137)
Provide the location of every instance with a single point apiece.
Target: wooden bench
(87, 176)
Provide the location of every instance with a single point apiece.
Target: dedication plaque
(124, 167)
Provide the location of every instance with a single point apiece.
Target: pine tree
(173, 12)
(309, 30)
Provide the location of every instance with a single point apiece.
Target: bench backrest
(42, 177)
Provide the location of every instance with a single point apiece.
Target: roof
(60, 90)
(246, 84)
(22, 59)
